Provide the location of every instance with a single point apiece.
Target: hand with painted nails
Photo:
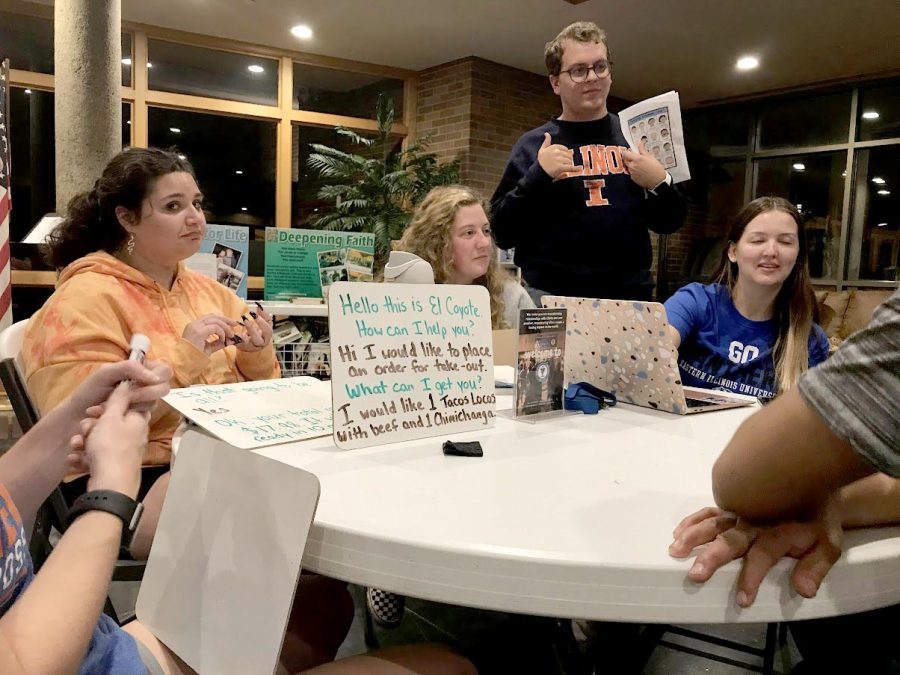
(210, 333)
(816, 544)
(258, 326)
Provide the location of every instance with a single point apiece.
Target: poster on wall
(305, 263)
(410, 361)
(224, 256)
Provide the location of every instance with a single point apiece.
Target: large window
(185, 69)
(220, 103)
(342, 93)
(810, 120)
(32, 156)
(879, 113)
(32, 153)
(841, 171)
(234, 159)
(27, 42)
(815, 185)
(305, 183)
(876, 227)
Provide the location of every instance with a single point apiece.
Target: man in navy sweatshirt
(574, 201)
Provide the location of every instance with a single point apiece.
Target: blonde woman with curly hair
(450, 230)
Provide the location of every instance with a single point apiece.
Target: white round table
(570, 517)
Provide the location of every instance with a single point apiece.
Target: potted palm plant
(376, 189)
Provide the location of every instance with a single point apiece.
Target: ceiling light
(302, 31)
(243, 208)
(799, 207)
(149, 65)
(870, 115)
(882, 224)
(126, 62)
(127, 121)
(884, 192)
(843, 174)
(255, 68)
(878, 180)
(28, 91)
(747, 63)
(182, 157)
(176, 130)
(239, 172)
(799, 166)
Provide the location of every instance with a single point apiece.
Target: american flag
(5, 201)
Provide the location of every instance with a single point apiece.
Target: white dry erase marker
(138, 347)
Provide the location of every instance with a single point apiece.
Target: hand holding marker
(138, 348)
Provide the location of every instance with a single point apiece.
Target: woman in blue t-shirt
(752, 331)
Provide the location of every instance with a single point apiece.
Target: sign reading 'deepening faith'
(409, 361)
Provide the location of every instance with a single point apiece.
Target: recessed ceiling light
(255, 68)
(799, 166)
(747, 63)
(175, 130)
(870, 115)
(243, 208)
(878, 180)
(884, 192)
(28, 91)
(239, 172)
(302, 31)
(126, 62)
(149, 65)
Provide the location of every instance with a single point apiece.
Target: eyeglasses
(579, 72)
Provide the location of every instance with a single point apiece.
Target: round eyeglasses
(579, 72)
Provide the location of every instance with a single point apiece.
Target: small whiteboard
(256, 414)
(223, 570)
(409, 361)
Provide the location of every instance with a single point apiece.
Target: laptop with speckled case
(624, 346)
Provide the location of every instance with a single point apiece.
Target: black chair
(53, 512)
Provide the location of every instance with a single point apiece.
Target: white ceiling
(656, 45)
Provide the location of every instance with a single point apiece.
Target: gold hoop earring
(130, 245)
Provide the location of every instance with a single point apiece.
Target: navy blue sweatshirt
(583, 235)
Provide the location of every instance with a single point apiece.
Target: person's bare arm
(37, 462)
(874, 500)
(783, 463)
(48, 628)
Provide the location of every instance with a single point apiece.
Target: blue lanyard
(587, 398)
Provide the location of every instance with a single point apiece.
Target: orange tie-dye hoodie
(99, 303)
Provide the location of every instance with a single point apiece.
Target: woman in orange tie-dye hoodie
(121, 250)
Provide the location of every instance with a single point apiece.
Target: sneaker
(385, 608)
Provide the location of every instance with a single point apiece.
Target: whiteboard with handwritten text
(409, 361)
(256, 414)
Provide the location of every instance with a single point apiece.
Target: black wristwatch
(113, 502)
